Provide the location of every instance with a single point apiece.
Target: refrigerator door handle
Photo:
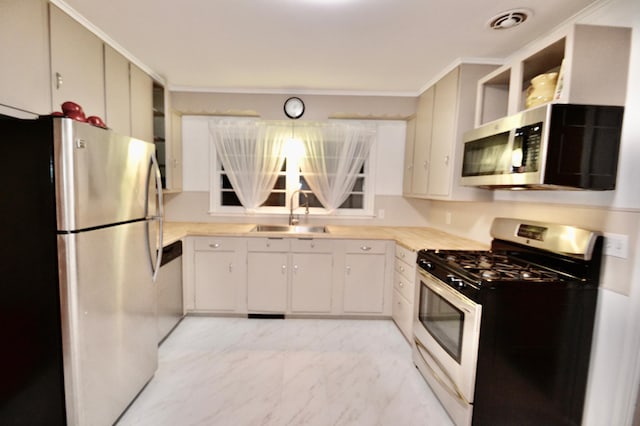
(159, 215)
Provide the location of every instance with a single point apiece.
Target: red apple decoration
(96, 121)
(69, 106)
(76, 115)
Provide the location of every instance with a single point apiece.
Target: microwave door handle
(452, 389)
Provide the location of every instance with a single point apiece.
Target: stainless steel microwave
(554, 146)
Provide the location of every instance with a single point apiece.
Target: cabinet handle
(446, 160)
(295, 269)
(59, 80)
(402, 269)
(230, 267)
(348, 270)
(216, 245)
(425, 164)
(284, 268)
(401, 284)
(313, 245)
(365, 248)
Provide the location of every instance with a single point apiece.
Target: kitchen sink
(291, 229)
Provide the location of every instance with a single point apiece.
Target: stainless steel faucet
(292, 220)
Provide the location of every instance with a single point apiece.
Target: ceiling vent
(509, 19)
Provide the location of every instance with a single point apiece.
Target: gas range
(471, 271)
(520, 255)
(503, 336)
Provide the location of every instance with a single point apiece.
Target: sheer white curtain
(251, 154)
(334, 155)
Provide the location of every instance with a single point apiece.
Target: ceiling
(355, 46)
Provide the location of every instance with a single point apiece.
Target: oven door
(446, 334)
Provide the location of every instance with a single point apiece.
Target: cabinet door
(217, 278)
(116, 81)
(267, 281)
(174, 154)
(407, 179)
(141, 104)
(443, 134)
(424, 123)
(402, 314)
(24, 74)
(364, 283)
(311, 283)
(77, 64)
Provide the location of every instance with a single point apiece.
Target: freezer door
(109, 327)
(101, 177)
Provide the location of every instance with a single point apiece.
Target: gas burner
(489, 274)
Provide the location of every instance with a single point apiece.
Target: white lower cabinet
(402, 313)
(311, 276)
(365, 277)
(291, 276)
(219, 275)
(267, 275)
(403, 309)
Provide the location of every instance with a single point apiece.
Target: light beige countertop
(413, 238)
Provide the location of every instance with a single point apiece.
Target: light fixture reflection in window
(294, 150)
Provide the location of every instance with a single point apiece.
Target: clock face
(294, 107)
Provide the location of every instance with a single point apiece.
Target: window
(223, 197)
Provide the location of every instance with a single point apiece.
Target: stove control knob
(425, 264)
(457, 282)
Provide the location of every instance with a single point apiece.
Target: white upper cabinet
(445, 111)
(407, 178)
(24, 55)
(118, 106)
(77, 64)
(422, 144)
(594, 62)
(141, 104)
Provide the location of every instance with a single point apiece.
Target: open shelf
(596, 66)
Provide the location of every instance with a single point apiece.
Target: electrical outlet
(381, 214)
(447, 218)
(616, 245)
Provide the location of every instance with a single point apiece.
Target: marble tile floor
(239, 371)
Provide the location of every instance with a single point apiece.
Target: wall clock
(294, 107)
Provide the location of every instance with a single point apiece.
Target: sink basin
(292, 229)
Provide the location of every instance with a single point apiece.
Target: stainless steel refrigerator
(81, 215)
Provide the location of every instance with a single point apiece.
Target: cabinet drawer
(405, 286)
(311, 246)
(268, 244)
(219, 243)
(405, 254)
(405, 269)
(365, 246)
(402, 314)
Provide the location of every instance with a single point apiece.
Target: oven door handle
(453, 389)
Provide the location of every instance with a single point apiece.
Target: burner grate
(488, 266)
